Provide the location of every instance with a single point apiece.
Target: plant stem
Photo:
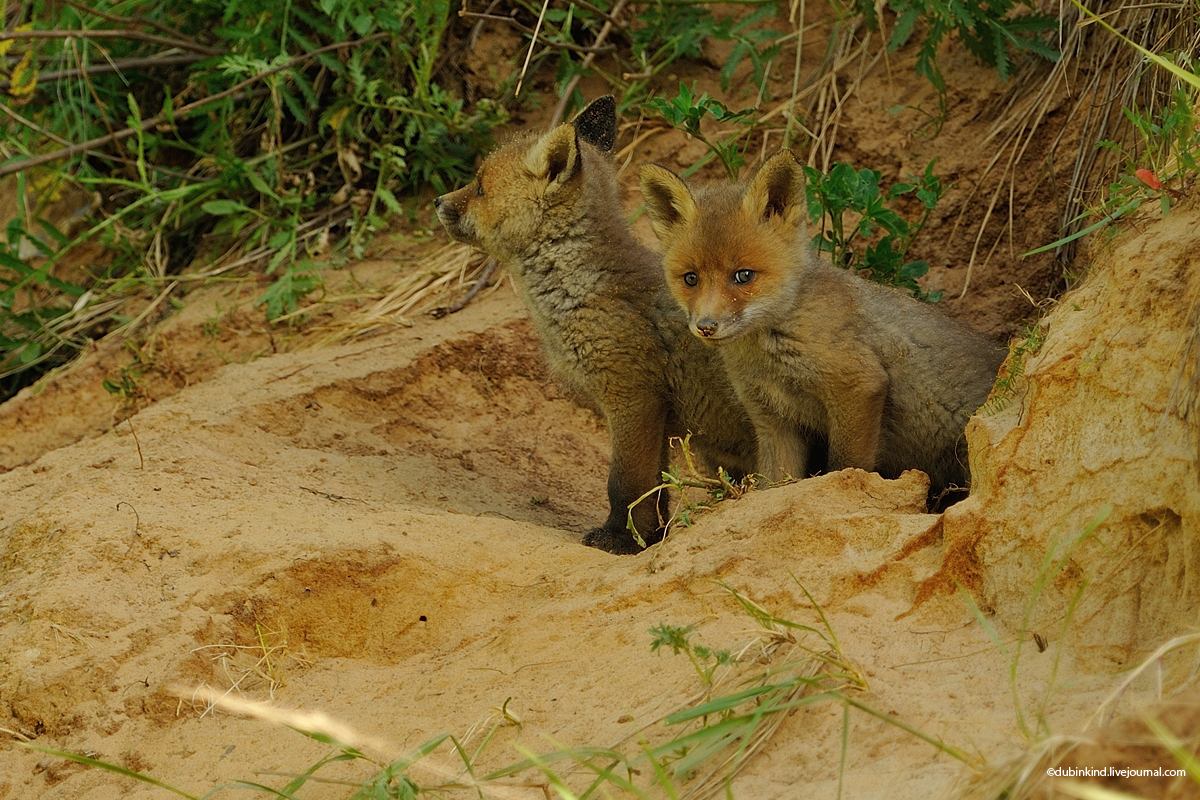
(146, 125)
(183, 44)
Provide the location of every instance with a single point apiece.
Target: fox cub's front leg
(782, 448)
(856, 402)
(639, 456)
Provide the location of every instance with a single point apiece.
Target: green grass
(696, 750)
(288, 127)
(1012, 371)
(1162, 165)
(275, 140)
(1032, 721)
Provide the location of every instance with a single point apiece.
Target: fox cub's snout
(450, 209)
(446, 212)
(451, 217)
(727, 249)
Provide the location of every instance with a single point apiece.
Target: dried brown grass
(1084, 92)
(1139, 740)
(427, 286)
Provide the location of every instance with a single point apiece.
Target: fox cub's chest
(773, 372)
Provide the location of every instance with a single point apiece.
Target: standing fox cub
(813, 351)
(547, 207)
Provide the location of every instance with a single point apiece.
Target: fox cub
(547, 207)
(816, 353)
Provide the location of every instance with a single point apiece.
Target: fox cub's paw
(621, 542)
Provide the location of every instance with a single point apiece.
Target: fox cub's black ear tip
(597, 124)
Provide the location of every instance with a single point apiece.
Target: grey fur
(887, 381)
(548, 209)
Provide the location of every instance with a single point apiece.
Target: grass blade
(92, 762)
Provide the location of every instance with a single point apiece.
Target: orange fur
(815, 353)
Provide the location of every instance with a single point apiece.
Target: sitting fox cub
(815, 352)
(547, 208)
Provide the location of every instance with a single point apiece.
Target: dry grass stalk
(1103, 75)
(311, 721)
(825, 91)
(1025, 776)
(347, 737)
(268, 654)
(414, 292)
(724, 770)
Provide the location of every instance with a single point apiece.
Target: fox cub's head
(733, 254)
(530, 190)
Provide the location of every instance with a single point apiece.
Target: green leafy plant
(1162, 165)
(686, 111)
(993, 31)
(678, 638)
(1028, 343)
(1169, 144)
(851, 208)
(658, 35)
(668, 32)
(1164, 162)
(213, 136)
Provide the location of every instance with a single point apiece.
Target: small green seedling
(852, 207)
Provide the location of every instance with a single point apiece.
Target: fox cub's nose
(445, 211)
(706, 327)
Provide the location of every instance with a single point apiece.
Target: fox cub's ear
(555, 157)
(597, 124)
(668, 201)
(777, 190)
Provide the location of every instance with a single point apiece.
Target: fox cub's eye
(743, 276)
(691, 278)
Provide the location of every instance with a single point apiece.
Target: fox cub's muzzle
(451, 210)
(705, 327)
(446, 212)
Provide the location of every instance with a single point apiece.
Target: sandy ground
(387, 532)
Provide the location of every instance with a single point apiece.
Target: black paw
(619, 542)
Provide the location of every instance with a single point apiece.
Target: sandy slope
(387, 532)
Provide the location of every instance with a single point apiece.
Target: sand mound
(387, 532)
(1093, 458)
